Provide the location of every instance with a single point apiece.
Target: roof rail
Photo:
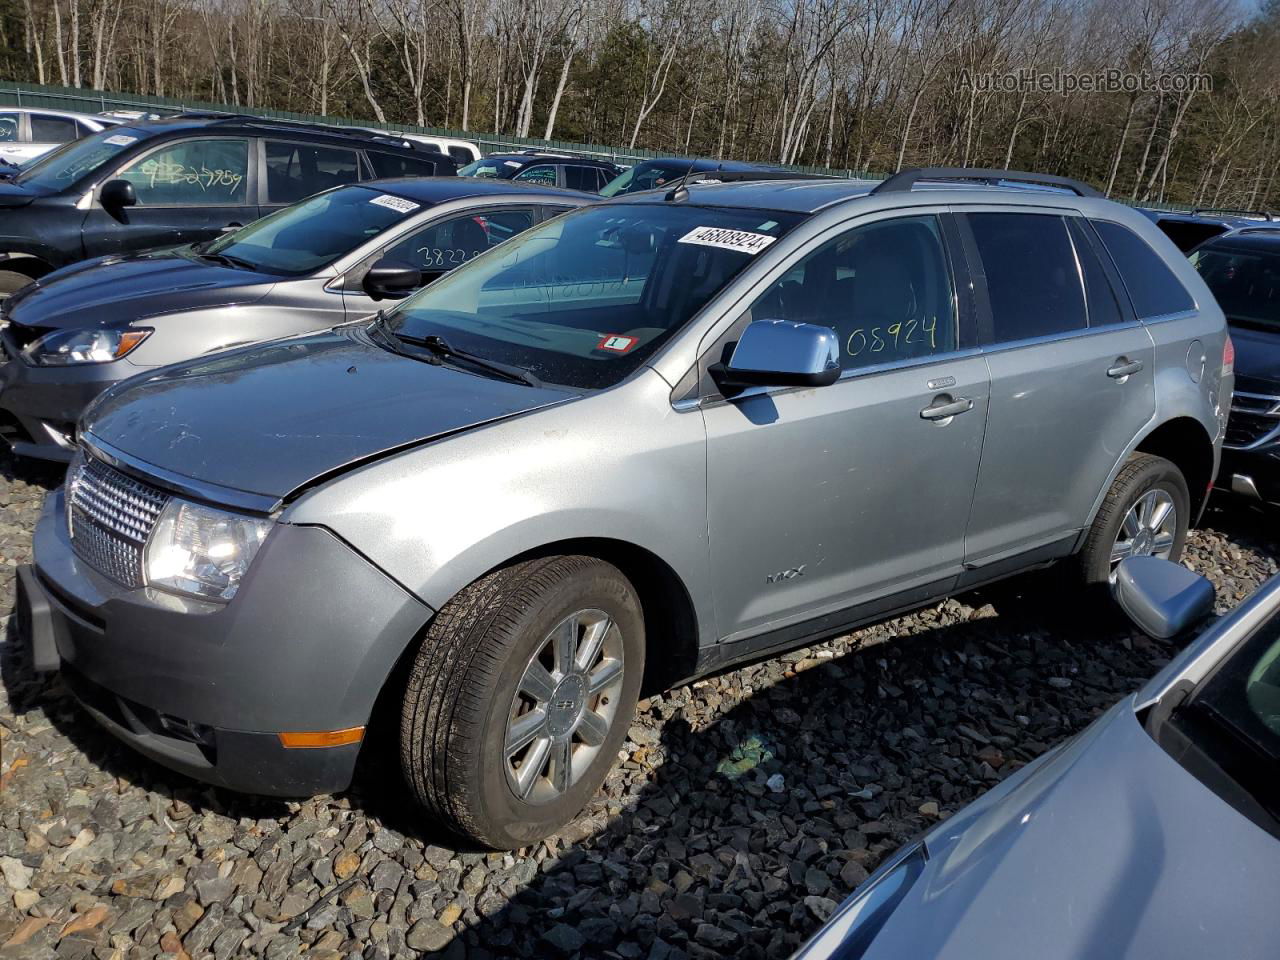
(333, 129)
(906, 179)
(1232, 212)
(738, 176)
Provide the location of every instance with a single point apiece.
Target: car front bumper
(1252, 473)
(206, 689)
(39, 406)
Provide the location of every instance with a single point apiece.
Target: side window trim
(250, 173)
(714, 346)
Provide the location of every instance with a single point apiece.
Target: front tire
(1145, 513)
(519, 697)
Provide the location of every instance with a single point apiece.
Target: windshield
(483, 168)
(313, 233)
(72, 161)
(1246, 283)
(584, 299)
(1234, 719)
(644, 176)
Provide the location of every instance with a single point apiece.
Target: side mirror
(115, 195)
(1164, 599)
(779, 353)
(391, 280)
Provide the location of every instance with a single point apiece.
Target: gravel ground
(745, 806)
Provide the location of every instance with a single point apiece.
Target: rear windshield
(489, 167)
(313, 233)
(584, 299)
(78, 159)
(1246, 283)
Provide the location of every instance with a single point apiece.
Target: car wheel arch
(1186, 443)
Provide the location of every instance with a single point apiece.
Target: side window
(191, 173)
(1153, 287)
(543, 173)
(447, 244)
(297, 170)
(580, 178)
(47, 129)
(10, 123)
(885, 289)
(395, 165)
(1100, 298)
(1033, 282)
(461, 154)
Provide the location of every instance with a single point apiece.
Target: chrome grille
(1254, 420)
(110, 517)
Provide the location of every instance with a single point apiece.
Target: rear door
(854, 495)
(188, 190)
(1071, 383)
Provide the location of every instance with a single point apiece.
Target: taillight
(1228, 357)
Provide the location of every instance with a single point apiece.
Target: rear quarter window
(1154, 289)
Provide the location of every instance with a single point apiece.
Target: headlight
(201, 551)
(63, 347)
(855, 924)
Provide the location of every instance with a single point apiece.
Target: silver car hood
(1107, 848)
(272, 418)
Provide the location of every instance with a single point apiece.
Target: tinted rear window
(1152, 286)
(1032, 279)
(398, 165)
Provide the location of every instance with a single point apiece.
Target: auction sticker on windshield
(120, 140)
(617, 343)
(399, 204)
(742, 241)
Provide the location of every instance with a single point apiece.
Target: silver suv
(642, 441)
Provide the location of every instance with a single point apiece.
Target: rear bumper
(206, 689)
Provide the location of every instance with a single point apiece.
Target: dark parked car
(1242, 268)
(158, 183)
(320, 262)
(546, 169)
(1154, 833)
(1189, 230)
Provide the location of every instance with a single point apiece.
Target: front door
(857, 493)
(188, 190)
(1072, 382)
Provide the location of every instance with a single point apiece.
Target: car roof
(799, 196)
(1246, 238)
(367, 138)
(440, 189)
(550, 157)
(703, 164)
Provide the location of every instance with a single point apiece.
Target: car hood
(115, 291)
(14, 194)
(1106, 848)
(271, 418)
(1257, 359)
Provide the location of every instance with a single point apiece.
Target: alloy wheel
(1149, 529)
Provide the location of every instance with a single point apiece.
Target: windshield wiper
(441, 348)
(229, 260)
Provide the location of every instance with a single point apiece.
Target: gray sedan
(1154, 833)
(323, 261)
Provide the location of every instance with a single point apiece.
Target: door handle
(944, 408)
(231, 228)
(1124, 367)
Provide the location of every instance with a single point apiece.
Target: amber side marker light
(322, 738)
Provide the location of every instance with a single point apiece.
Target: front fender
(619, 465)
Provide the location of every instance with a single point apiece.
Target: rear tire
(1145, 513)
(493, 762)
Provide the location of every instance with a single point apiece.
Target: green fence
(98, 101)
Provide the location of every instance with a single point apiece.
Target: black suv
(1242, 269)
(547, 169)
(154, 183)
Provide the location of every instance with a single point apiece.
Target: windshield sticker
(617, 342)
(511, 163)
(742, 241)
(120, 140)
(398, 204)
